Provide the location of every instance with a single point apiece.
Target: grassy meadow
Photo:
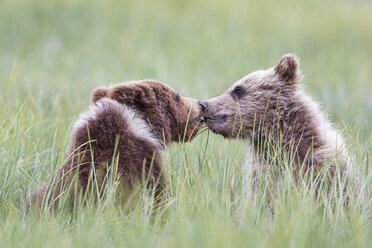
(54, 53)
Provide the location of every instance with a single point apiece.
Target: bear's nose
(203, 104)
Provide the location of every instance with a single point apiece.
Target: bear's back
(110, 133)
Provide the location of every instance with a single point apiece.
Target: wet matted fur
(128, 126)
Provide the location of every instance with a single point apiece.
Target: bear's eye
(177, 97)
(238, 91)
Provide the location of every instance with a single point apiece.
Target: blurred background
(56, 52)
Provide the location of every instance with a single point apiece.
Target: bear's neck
(159, 121)
(290, 136)
(161, 131)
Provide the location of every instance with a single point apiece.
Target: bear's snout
(203, 104)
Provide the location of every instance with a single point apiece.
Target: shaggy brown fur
(131, 122)
(271, 109)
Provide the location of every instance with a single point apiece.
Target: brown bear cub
(271, 109)
(130, 124)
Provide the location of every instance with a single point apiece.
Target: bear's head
(172, 117)
(254, 101)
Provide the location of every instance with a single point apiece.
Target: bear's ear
(99, 93)
(287, 68)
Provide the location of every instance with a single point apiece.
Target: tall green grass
(54, 53)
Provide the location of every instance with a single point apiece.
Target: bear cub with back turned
(130, 123)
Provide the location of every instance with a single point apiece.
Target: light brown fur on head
(287, 68)
(270, 108)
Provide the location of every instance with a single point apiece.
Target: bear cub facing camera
(271, 109)
(130, 123)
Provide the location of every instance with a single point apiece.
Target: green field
(54, 53)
